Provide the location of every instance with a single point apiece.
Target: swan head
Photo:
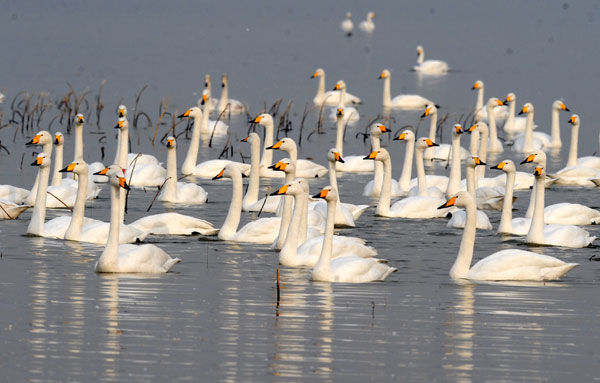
(574, 120)
(205, 97)
(335, 156)
(510, 98)
(559, 105)
(478, 85)
(407, 135)
(285, 144)
(122, 111)
(537, 157)
(194, 112)
(378, 129)
(42, 160)
(371, 15)
(42, 137)
(230, 170)
(116, 176)
(224, 80)
(318, 73)
(263, 119)
(384, 74)
(474, 162)
(251, 138)
(494, 102)
(79, 119)
(420, 50)
(285, 165)
(461, 199)
(430, 109)
(480, 127)
(339, 113)
(79, 168)
(111, 169)
(424, 143)
(458, 129)
(122, 124)
(58, 139)
(293, 188)
(527, 108)
(340, 85)
(171, 142)
(328, 193)
(378, 155)
(207, 81)
(506, 166)
(349, 15)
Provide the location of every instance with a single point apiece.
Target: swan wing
(173, 224)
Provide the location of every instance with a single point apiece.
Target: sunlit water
(215, 317)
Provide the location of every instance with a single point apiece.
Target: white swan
(206, 169)
(574, 160)
(78, 151)
(441, 151)
(13, 194)
(128, 258)
(304, 168)
(351, 115)
(402, 101)
(124, 158)
(210, 128)
(508, 224)
(179, 192)
(373, 187)
(347, 25)
(495, 145)
(454, 177)
(307, 254)
(435, 67)
(210, 102)
(349, 268)
(513, 124)
(11, 210)
(332, 97)
(552, 235)
(233, 106)
(504, 265)
(368, 26)
(262, 230)
(351, 163)
(410, 207)
(266, 121)
(530, 140)
(480, 112)
(57, 179)
(251, 198)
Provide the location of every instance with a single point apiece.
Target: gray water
(215, 316)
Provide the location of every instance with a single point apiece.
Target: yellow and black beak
(38, 161)
(564, 107)
(426, 113)
(123, 183)
(529, 159)
(383, 128)
(256, 120)
(523, 110)
(276, 146)
(80, 119)
(371, 156)
(572, 120)
(121, 112)
(340, 112)
(35, 140)
(245, 139)
(458, 129)
(338, 157)
(475, 86)
(431, 143)
(337, 86)
(281, 191)
(220, 175)
(472, 128)
(499, 102)
(448, 203)
(538, 171)
(322, 194)
(315, 75)
(56, 140)
(478, 161)
(204, 98)
(170, 143)
(381, 76)
(69, 168)
(119, 125)
(101, 172)
(401, 137)
(281, 166)
(185, 114)
(500, 166)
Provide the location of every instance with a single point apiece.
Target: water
(215, 317)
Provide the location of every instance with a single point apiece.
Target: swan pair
(443, 151)
(351, 115)
(432, 67)
(530, 140)
(332, 97)
(481, 113)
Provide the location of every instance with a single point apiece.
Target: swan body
(332, 97)
(351, 115)
(373, 187)
(368, 26)
(504, 265)
(13, 194)
(173, 224)
(347, 25)
(11, 210)
(402, 101)
(435, 67)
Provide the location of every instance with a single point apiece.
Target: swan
(441, 152)
(206, 169)
(266, 121)
(454, 177)
(345, 213)
(346, 26)
(410, 207)
(349, 268)
(579, 171)
(351, 115)
(351, 163)
(235, 106)
(304, 168)
(273, 203)
(78, 151)
(57, 179)
(124, 158)
(513, 124)
(402, 101)
(459, 217)
(307, 254)
(210, 102)
(179, 192)
(552, 235)
(373, 187)
(262, 230)
(504, 265)
(210, 128)
(11, 210)
(251, 198)
(495, 145)
(508, 224)
(13, 194)
(481, 113)
(530, 140)
(128, 258)
(368, 26)
(435, 67)
(332, 97)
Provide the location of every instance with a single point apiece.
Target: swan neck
(170, 193)
(78, 143)
(290, 246)
(378, 173)
(232, 220)
(302, 232)
(421, 179)
(323, 266)
(74, 230)
(254, 182)
(536, 230)
(556, 141)
(479, 103)
(574, 142)
(123, 148)
(528, 143)
(433, 127)
(493, 133)
(333, 175)
(454, 177)
(506, 218)
(204, 129)
(339, 142)
(483, 149)
(511, 115)
(383, 206)
(470, 175)
(321, 88)
(474, 143)
(387, 96)
(111, 250)
(189, 164)
(267, 154)
(58, 164)
(36, 225)
(224, 97)
(405, 176)
(461, 266)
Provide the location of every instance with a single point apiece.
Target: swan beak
(529, 159)
(101, 172)
(279, 166)
(572, 120)
(472, 128)
(121, 112)
(381, 76)
(315, 75)
(478, 161)
(401, 137)
(123, 184)
(523, 110)
(35, 140)
(185, 114)
(476, 86)
(38, 161)
(276, 146)
(384, 129)
(338, 157)
(204, 98)
(80, 119)
(564, 107)
(371, 156)
(322, 194)
(119, 125)
(458, 129)
(56, 140)
(431, 143)
(499, 102)
(500, 166)
(340, 112)
(337, 86)
(538, 171)
(220, 175)
(245, 139)
(170, 143)
(426, 113)
(448, 203)
(256, 120)
(69, 168)
(282, 190)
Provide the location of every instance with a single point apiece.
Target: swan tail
(554, 273)
(388, 272)
(170, 263)
(358, 212)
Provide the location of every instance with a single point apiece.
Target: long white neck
(118, 152)
(574, 142)
(289, 250)
(123, 148)
(293, 153)
(209, 104)
(267, 155)
(483, 149)
(204, 129)
(420, 58)
(323, 266)
(406, 175)
(339, 141)
(73, 232)
(454, 177)
(170, 188)
(36, 224)
(333, 175)
(506, 219)
(432, 126)
(383, 206)
(192, 155)
(224, 97)
(493, 133)
(461, 266)
(531, 205)
(421, 179)
(78, 143)
(474, 143)
(471, 186)
(285, 215)
(58, 164)
(387, 96)
(342, 100)
(528, 143)
(321, 88)
(303, 230)
(378, 174)
(510, 122)
(556, 141)
(479, 104)
(536, 230)
(110, 254)
(254, 183)
(230, 226)
(46, 148)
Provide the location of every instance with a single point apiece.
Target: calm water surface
(215, 317)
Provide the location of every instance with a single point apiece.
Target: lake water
(215, 316)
